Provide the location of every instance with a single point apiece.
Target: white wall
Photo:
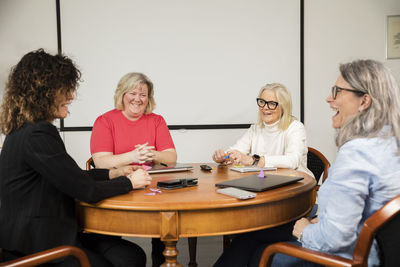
(335, 31)
(25, 26)
(193, 56)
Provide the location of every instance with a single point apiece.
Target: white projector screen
(207, 59)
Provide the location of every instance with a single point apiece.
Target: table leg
(192, 242)
(171, 254)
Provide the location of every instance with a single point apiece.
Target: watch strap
(256, 159)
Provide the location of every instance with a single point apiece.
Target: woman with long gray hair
(365, 175)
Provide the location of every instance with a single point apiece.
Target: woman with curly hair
(39, 181)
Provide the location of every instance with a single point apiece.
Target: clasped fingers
(143, 153)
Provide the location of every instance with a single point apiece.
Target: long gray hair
(373, 78)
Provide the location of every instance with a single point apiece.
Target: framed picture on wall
(393, 37)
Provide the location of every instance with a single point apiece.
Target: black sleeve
(46, 154)
(99, 174)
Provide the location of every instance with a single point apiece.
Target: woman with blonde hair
(277, 140)
(132, 134)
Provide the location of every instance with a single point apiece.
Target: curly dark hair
(32, 87)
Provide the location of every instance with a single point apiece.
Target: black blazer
(39, 182)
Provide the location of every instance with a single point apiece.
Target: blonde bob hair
(129, 82)
(285, 103)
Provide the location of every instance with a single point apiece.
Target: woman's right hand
(139, 178)
(219, 156)
(143, 153)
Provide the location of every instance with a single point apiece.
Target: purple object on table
(261, 174)
(155, 190)
(146, 167)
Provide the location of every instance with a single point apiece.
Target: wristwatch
(256, 159)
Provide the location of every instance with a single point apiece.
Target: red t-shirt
(113, 132)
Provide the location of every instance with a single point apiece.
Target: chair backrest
(50, 255)
(89, 164)
(384, 225)
(388, 238)
(317, 164)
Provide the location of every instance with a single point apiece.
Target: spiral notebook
(257, 184)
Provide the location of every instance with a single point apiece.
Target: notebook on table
(257, 184)
(251, 169)
(161, 168)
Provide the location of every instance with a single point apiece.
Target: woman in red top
(131, 133)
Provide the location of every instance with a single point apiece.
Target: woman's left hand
(238, 157)
(299, 227)
(123, 171)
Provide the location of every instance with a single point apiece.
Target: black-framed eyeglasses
(336, 89)
(270, 104)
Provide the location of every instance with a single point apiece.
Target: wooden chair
(49, 255)
(317, 164)
(383, 225)
(89, 164)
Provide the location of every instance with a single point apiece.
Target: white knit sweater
(281, 149)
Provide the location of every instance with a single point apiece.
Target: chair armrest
(302, 253)
(49, 255)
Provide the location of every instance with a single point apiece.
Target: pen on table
(163, 164)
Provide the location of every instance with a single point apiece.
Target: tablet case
(177, 183)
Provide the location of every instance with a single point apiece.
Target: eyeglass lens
(270, 104)
(334, 92)
(336, 89)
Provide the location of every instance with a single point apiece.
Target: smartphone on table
(236, 192)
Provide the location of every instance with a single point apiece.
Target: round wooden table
(196, 211)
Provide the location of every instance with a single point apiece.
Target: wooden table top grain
(196, 211)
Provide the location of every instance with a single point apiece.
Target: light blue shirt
(365, 175)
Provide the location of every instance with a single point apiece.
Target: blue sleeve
(342, 202)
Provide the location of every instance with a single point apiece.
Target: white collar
(273, 127)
